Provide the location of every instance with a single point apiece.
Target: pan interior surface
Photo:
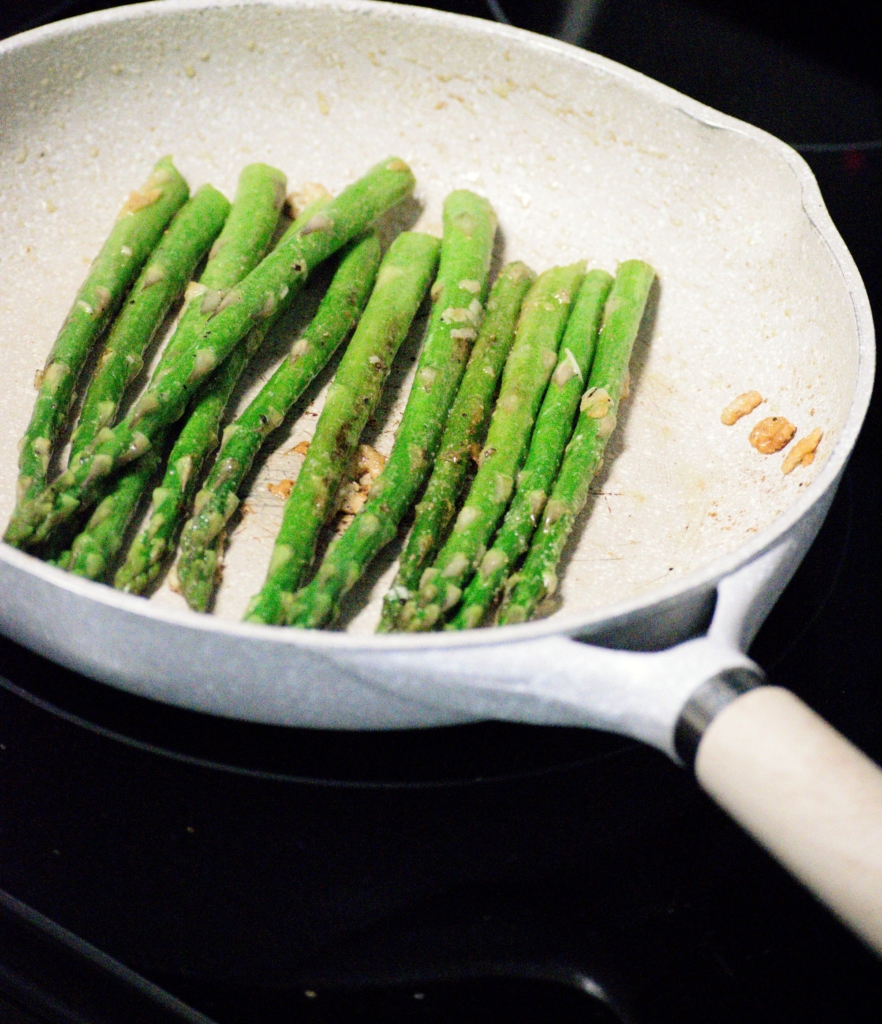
(580, 160)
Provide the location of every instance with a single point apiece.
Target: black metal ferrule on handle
(705, 704)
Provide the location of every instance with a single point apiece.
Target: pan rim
(704, 577)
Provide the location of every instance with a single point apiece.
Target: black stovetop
(677, 918)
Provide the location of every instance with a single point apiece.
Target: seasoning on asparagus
(94, 550)
(537, 579)
(554, 427)
(270, 285)
(138, 228)
(194, 227)
(405, 274)
(458, 293)
(244, 241)
(197, 439)
(524, 382)
(465, 431)
(203, 536)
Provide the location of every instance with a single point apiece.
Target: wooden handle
(806, 794)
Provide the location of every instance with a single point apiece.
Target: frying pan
(690, 535)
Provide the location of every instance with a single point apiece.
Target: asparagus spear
(196, 441)
(95, 548)
(458, 293)
(244, 241)
(554, 425)
(191, 232)
(197, 568)
(270, 285)
(599, 407)
(137, 230)
(524, 381)
(203, 536)
(242, 244)
(405, 274)
(466, 428)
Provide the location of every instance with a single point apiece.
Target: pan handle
(788, 778)
(796, 785)
(806, 794)
(803, 792)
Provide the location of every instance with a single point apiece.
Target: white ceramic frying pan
(581, 158)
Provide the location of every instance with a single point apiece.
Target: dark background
(810, 73)
(842, 35)
(699, 924)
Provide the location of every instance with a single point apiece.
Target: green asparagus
(246, 235)
(405, 274)
(554, 426)
(599, 407)
(95, 548)
(202, 537)
(240, 246)
(197, 439)
(465, 431)
(271, 284)
(524, 382)
(244, 241)
(458, 293)
(191, 232)
(138, 228)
